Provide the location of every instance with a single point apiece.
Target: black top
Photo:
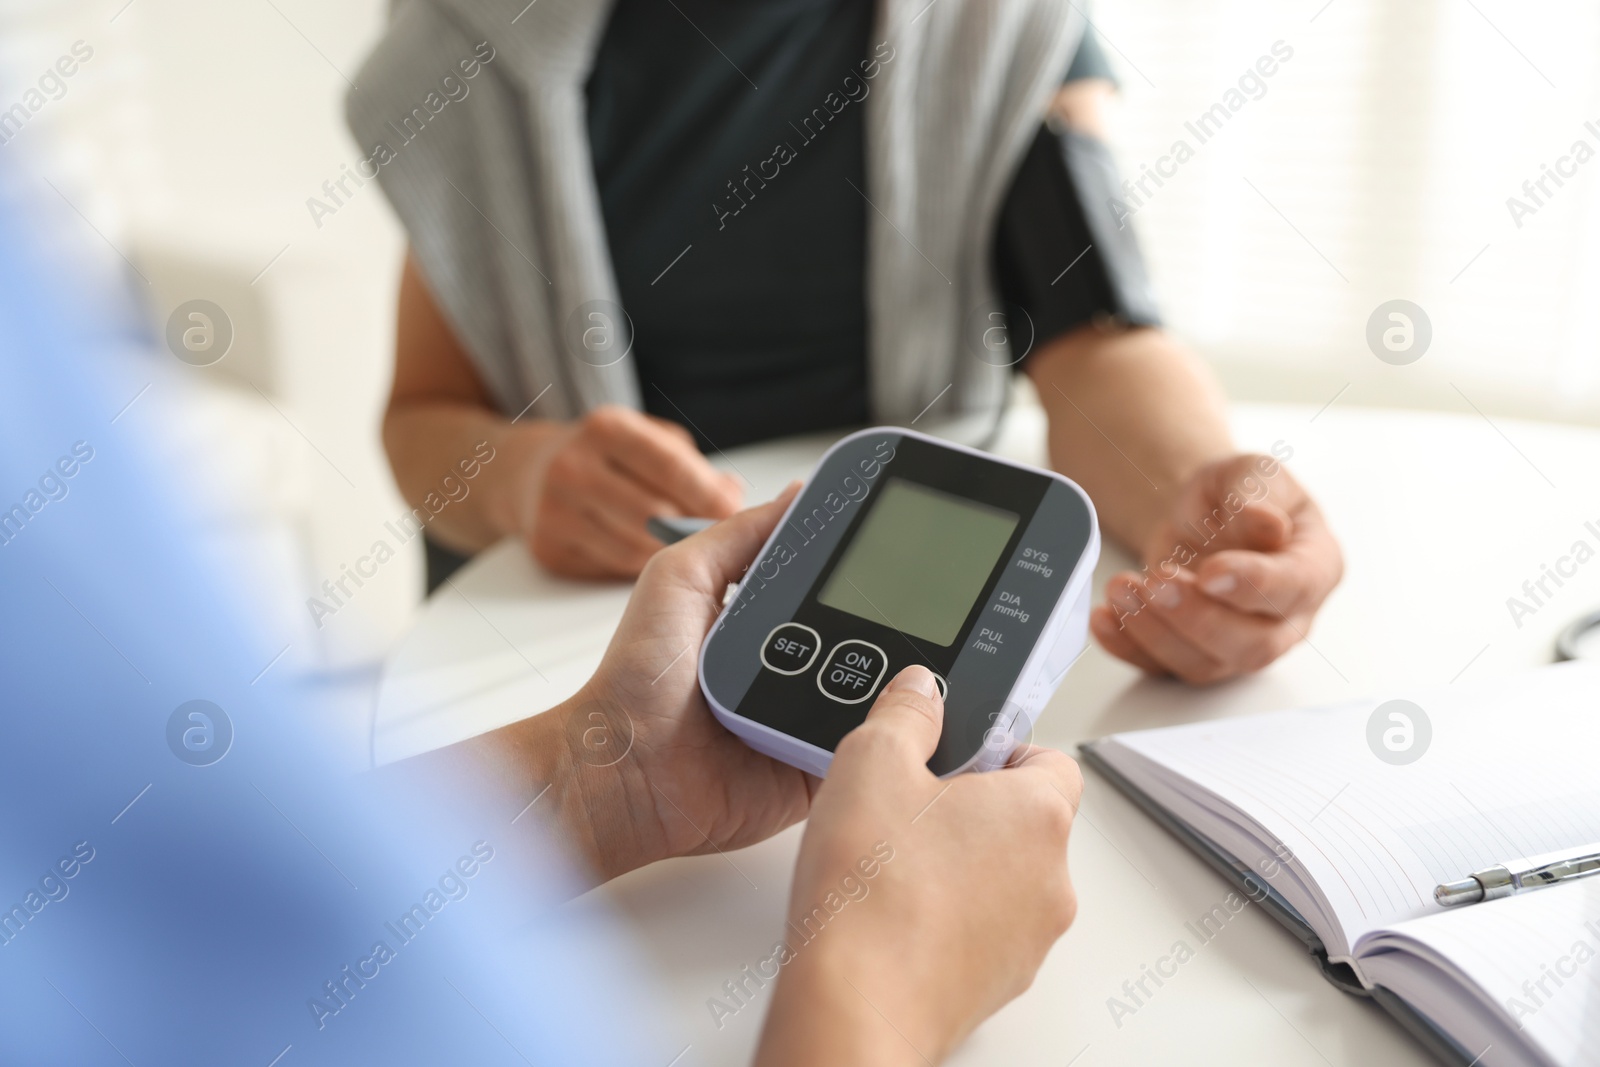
(729, 153)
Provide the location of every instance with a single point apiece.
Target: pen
(1534, 872)
(670, 531)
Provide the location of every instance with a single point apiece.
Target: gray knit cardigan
(471, 115)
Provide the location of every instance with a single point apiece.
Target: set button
(790, 648)
(852, 671)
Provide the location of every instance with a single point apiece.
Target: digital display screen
(919, 560)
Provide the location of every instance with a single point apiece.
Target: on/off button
(852, 671)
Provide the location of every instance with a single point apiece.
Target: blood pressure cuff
(1062, 256)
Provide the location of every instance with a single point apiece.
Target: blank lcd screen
(919, 561)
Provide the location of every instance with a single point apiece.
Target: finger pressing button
(852, 671)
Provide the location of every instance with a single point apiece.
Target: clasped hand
(1233, 574)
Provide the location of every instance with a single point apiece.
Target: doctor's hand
(919, 907)
(1232, 576)
(594, 483)
(647, 772)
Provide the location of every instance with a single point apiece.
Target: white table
(1442, 517)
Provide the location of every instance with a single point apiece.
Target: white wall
(1391, 141)
(190, 141)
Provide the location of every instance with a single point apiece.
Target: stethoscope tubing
(1567, 643)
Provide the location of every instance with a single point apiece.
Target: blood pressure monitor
(900, 550)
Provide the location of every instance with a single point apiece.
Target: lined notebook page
(1511, 770)
(1535, 962)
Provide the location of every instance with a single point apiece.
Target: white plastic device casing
(1060, 643)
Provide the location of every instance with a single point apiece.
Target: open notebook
(1348, 849)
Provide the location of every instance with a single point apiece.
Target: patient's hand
(651, 772)
(593, 486)
(919, 907)
(1232, 578)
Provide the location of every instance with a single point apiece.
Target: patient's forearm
(1133, 414)
(440, 416)
(433, 444)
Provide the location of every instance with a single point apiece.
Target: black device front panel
(805, 654)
